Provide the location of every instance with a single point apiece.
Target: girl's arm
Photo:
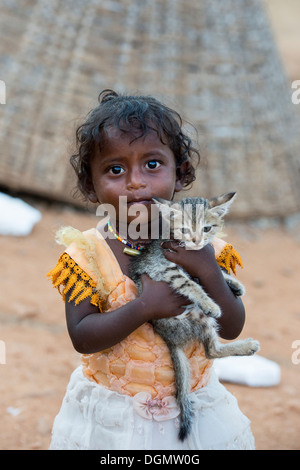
(202, 264)
(92, 331)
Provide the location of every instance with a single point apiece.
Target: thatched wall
(214, 61)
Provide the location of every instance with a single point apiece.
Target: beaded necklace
(130, 249)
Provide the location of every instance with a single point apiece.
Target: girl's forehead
(113, 133)
(114, 137)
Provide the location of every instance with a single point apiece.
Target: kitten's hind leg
(214, 349)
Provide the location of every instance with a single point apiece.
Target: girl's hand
(202, 264)
(160, 300)
(195, 262)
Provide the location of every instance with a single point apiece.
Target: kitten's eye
(116, 170)
(152, 164)
(184, 230)
(207, 228)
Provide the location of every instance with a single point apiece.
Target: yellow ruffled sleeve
(227, 257)
(67, 276)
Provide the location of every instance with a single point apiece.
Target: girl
(122, 396)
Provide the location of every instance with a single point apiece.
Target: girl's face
(138, 170)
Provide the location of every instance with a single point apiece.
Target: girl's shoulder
(86, 268)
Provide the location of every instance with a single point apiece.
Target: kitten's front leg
(235, 285)
(185, 286)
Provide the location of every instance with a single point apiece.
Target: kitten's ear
(220, 205)
(163, 206)
(159, 200)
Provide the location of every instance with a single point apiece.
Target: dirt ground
(40, 357)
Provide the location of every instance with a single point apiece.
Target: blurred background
(228, 68)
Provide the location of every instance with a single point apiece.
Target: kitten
(194, 221)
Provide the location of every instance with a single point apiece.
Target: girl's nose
(135, 180)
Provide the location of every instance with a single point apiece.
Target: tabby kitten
(193, 221)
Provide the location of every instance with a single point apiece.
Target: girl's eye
(153, 164)
(116, 170)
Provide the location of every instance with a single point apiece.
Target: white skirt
(94, 418)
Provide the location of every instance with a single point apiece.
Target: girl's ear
(92, 196)
(180, 176)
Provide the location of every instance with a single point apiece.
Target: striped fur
(199, 320)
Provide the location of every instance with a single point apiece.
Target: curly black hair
(131, 113)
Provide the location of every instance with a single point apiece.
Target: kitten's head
(194, 221)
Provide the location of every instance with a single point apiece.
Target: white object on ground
(13, 411)
(254, 371)
(16, 216)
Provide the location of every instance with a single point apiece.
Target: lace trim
(68, 276)
(229, 258)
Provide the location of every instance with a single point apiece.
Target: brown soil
(40, 356)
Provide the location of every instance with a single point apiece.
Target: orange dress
(141, 362)
(123, 397)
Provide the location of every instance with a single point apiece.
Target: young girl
(123, 396)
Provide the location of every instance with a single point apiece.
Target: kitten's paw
(212, 310)
(252, 346)
(235, 285)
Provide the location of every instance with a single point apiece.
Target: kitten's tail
(182, 382)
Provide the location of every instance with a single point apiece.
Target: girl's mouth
(142, 202)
